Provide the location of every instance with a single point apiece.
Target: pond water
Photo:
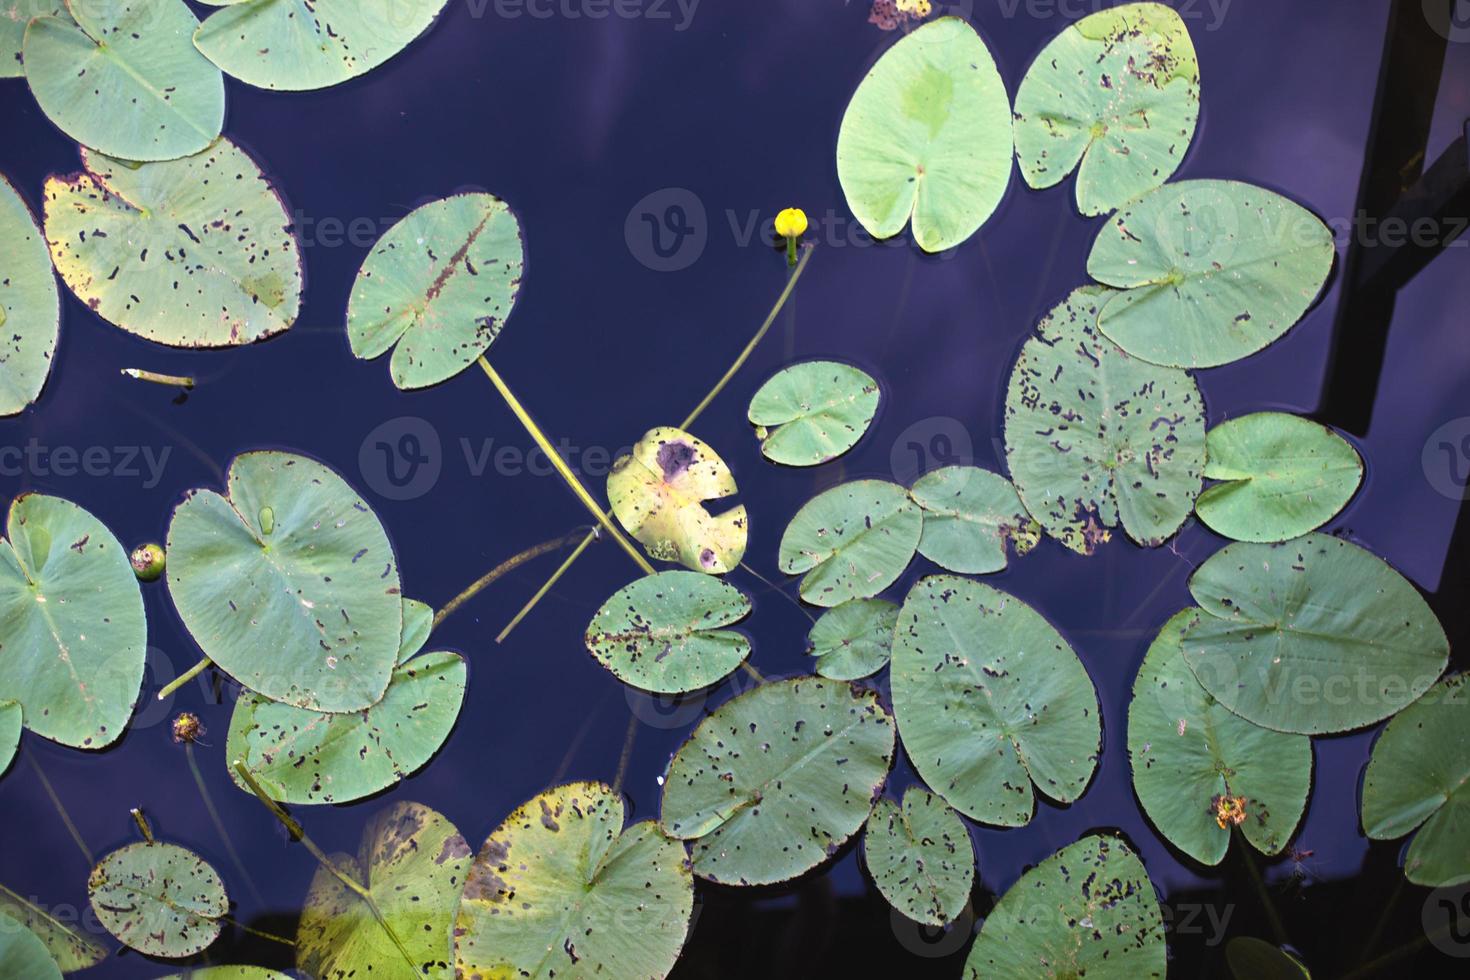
(642, 154)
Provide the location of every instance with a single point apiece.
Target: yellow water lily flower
(1229, 811)
(791, 223)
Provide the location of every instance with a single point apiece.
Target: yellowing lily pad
(562, 889)
(658, 494)
(30, 309)
(1116, 96)
(160, 899)
(813, 412)
(927, 136)
(124, 78)
(852, 541)
(195, 252)
(437, 288)
(70, 949)
(22, 954)
(289, 583)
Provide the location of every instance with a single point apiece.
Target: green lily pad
(70, 949)
(124, 78)
(195, 252)
(852, 541)
(14, 16)
(1283, 476)
(302, 756)
(920, 856)
(294, 45)
(10, 726)
(229, 973)
(437, 288)
(22, 954)
(972, 517)
(71, 623)
(1419, 777)
(1255, 959)
(853, 640)
(30, 309)
(1314, 635)
(927, 135)
(289, 584)
(412, 862)
(1114, 96)
(418, 622)
(662, 632)
(1095, 437)
(813, 412)
(990, 699)
(562, 889)
(776, 780)
(1211, 271)
(1088, 910)
(160, 899)
(1188, 750)
(658, 492)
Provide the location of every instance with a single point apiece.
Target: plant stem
(1394, 955)
(1273, 919)
(142, 823)
(219, 825)
(505, 567)
(298, 834)
(76, 835)
(627, 755)
(561, 466)
(185, 678)
(1383, 917)
(259, 932)
(688, 421)
(171, 380)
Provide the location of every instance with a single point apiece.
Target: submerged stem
(505, 567)
(688, 421)
(1273, 918)
(627, 755)
(258, 932)
(185, 678)
(561, 466)
(76, 834)
(219, 825)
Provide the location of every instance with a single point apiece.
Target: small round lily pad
(813, 412)
(972, 519)
(920, 856)
(777, 779)
(662, 633)
(160, 899)
(853, 640)
(852, 541)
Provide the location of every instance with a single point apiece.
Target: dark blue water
(575, 121)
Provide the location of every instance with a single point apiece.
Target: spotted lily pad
(30, 309)
(22, 954)
(853, 640)
(1255, 959)
(191, 253)
(852, 541)
(1088, 910)
(418, 622)
(813, 412)
(1116, 96)
(14, 16)
(927, 135)
(1188, 752)
(71, 623)
(777, 779)
(160, 899)
(1282, 476)
(1314, 635)
(662, 632)
(302, 756)
(230, 973)
(658, 494)
(920, 856)
(124, 78)
(413, 863)
(289, 584)
(70, 949)
(561, 888)
(10, 725)
(1419, 777)
(437, 288)
(990, 699)
(972, 517)
(293, 45)
(1211, 271)
(1095, 436)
